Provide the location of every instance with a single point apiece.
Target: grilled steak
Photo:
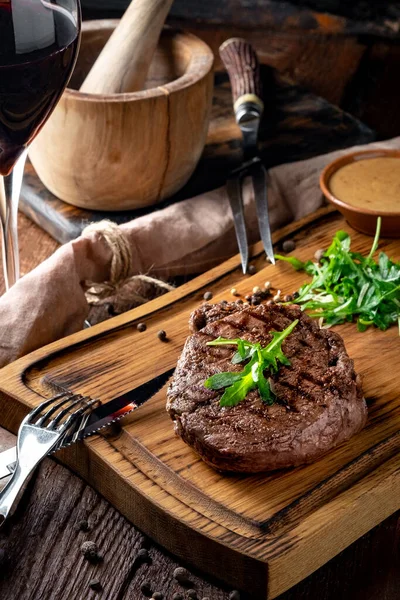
(319, 396)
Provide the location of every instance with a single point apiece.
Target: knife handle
(241, 62)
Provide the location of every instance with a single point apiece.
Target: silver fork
(41, 432)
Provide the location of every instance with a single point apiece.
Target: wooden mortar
(125, 151)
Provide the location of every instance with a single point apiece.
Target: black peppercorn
(252, 270)
(90, 552)
(234, 595)
(162, 335)
(288, 246)
(158, 596)
(208, 296)
(287, 298)
(83, 525)
(141, 327)
(182, 576)
(142, 557)
(295, 295)
(95, 585)
(192, 594)
(145, 588)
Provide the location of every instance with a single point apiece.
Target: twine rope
(121, 262)
(121, 266)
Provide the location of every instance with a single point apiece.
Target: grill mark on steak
(292, 388)
(320, 387)
(304, 343)
(274, 325)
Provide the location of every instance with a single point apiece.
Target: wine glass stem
(10, 189)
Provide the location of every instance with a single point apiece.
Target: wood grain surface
(296, 125)
(271, 531)
(352, 61)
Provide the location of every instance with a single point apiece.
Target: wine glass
(39, 42)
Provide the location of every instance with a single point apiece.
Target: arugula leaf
(221, 380)
(239, 358)
(376, 238)
(347, 286)
(295, 262)
(241, 349)
(238, 391)
(264, 388)
(220, 341)
(238, 384)
(273, 352)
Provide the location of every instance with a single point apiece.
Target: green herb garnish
(346, 285)
(238, 384)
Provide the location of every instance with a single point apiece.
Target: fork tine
(82, 425)
(63, 428)
(234, 189)
(67, 398)
(73, 401)
(259, 175)
(36, 411)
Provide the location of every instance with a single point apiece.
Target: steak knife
(101, 417)
(241, 63)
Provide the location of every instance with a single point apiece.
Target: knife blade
(100, 418)
(241, 63)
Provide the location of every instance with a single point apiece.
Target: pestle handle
(123, 64)
(241, 62)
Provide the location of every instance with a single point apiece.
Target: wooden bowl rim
(200, 65)
(340, 162)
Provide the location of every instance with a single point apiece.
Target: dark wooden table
(40, 548)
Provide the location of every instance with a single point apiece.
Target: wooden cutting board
(261, 533)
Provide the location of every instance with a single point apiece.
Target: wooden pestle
(123, 64)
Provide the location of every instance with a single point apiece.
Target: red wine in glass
(39, 41)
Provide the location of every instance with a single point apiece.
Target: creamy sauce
(372, 183)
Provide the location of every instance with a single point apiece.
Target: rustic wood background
(349, 55)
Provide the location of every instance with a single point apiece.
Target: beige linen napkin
(184, 238)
